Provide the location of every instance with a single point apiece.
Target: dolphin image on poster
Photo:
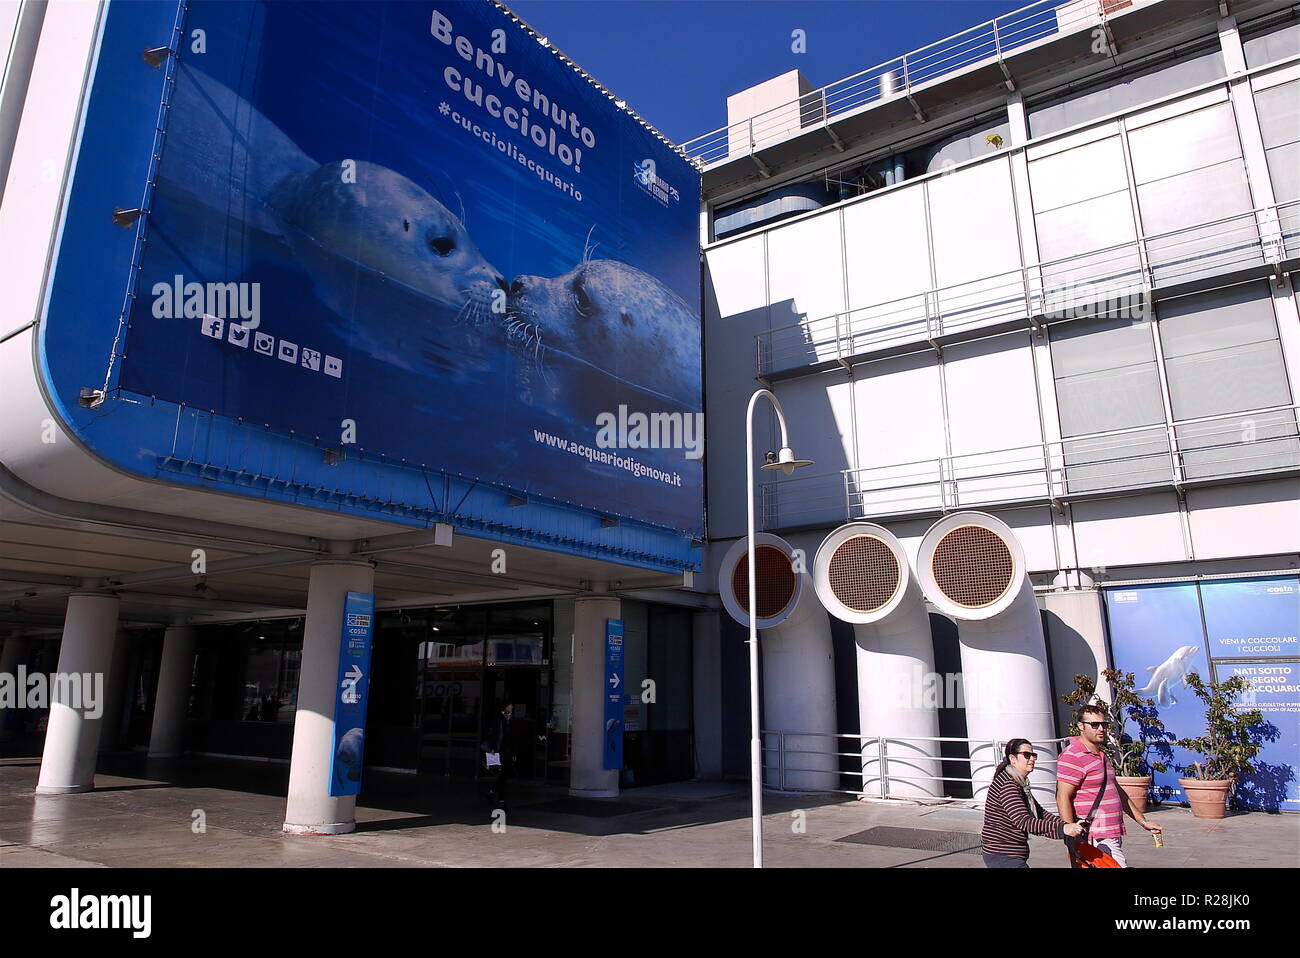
(1171, 670)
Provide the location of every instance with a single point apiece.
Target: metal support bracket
(1008, 79)
(916, 107)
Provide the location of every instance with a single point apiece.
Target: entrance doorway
(473, 662)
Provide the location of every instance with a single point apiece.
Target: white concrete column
(13, 654)
(706, 685)
(72, 738)
(587, 776)
(311, 810)
(166, 739)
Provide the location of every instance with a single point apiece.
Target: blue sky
(676, 61)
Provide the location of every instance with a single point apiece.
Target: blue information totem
(350, 694)
(613, 694)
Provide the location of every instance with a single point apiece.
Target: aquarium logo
(233, 302)
(656, 430)
(646, 177)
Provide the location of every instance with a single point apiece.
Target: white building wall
(963, 426)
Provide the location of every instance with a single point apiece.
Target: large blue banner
(411, 230)
(350, 694)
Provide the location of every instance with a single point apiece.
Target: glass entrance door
(449, 733)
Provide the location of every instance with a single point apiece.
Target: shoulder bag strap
(1100, 792)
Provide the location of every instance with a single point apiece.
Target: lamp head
(784, 461)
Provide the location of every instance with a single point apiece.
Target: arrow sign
(613, 757)
(353, 680)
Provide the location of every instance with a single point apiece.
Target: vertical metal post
(780, 745)
(882, 767)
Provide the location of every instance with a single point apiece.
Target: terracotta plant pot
(1136, 788)
(1209, 799)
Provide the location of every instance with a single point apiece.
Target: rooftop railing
(1117, 280)
(987, 42)
(1236, 445)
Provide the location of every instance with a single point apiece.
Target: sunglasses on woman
(1032, 756)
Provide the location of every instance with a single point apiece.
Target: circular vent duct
(798, 662)
(860, 573)
(972, 568)
(971, 565)
(776, 581)
(862, 576)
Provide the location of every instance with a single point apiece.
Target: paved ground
(142, 814)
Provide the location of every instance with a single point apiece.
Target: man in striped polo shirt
(1080, 771)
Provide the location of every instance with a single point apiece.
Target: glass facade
(439, 678)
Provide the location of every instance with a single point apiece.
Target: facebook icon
(211, 326)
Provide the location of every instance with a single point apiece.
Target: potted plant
(1228, 747)
(1131, 757)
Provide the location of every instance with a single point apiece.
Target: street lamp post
(787, 463)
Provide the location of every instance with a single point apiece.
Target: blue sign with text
(1275, 691)
(1252, 618)
(350, 690)
(613, 694)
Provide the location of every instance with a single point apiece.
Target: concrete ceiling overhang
(44, 559)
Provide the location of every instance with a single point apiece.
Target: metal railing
(1116, 280)
(1228, 446)
(987, 42)
(872, 756)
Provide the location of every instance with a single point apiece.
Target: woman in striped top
(1011, 812)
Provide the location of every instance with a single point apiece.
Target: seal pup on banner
(616, 318)
(383, 222)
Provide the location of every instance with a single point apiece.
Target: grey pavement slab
(141, 815)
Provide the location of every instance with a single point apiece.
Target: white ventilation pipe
(972, 568)
(863, 577)
(798, 661)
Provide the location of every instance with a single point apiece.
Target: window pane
(1278, 44)
(1198, 197)
(1183, 143)
(1222, 353)
(1284, 169)
(1279, 113)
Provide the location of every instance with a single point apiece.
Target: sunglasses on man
(1096, 724)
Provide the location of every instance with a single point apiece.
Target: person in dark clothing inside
(1011, 813)
(504, 747)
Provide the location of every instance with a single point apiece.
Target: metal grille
(920, 839)
(773, 577)
(863, 573)
(972, 566)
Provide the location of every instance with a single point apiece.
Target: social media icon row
(240, 335)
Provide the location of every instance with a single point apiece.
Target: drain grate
(921, 839)
(588, 808)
